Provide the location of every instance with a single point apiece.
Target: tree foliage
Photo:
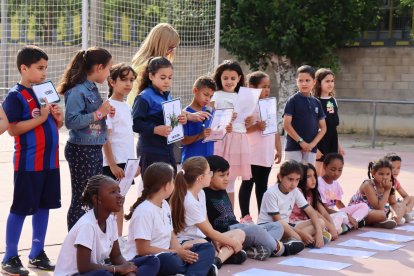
(305, 31)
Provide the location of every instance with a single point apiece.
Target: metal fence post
(84, 24)
(374, 122)
(5, 35)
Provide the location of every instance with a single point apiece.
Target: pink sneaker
(247, 219)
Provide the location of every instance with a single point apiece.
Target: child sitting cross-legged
(261, 241)
(279, 200)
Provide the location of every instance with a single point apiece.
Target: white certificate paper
(220, 119)
(130, 170)
(171, 110)
(267, 111)
(386, 236)
(314, 263)
(245, 104)
(46, 90)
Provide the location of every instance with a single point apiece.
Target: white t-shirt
(330, 193)
(121, 135)
(275, 202)
(152, 223)
(86, 232)
(195, 212)
(223, 99)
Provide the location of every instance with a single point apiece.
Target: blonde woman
(162, 40)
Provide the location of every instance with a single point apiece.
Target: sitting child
(189, 214)
(375, 193)
(407, 203)
(278, 203)
(308, 185)
(261, 241)
(94, 237)
(331, 195)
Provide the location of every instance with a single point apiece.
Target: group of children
(183, 223)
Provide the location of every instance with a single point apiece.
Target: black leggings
(260, 177)
(84, 162)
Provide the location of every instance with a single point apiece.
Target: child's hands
(278, 157)
(162, 130)
(187, 255)
(333, 231)
(306, 238)
(112, 111)
(387, 184)
(105, 108)
(56, 112)
(44, 111)
(236, 245)
(117, 171)
(206, 132)
(229, 128)
(125, 268)
(353, 221)
(319, 240)
(198, 116)
(261, 125)
(182, 118)
(248, 122)
(234, 116)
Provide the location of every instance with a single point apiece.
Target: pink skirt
(236, 150)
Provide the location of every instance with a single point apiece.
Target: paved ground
(358, 154)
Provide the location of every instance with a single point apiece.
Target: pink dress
(235, 146)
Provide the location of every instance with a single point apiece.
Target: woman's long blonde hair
(161, 38)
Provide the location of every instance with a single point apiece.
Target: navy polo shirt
(306, 112)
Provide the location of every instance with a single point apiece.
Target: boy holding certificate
(195, 132)
(36, 161)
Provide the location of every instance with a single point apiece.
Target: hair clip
(182, 171)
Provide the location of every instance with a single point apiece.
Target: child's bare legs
(398, 211)
(409, 203)
(307, 231)
(375, 216)
(226, 251)
(288, 231)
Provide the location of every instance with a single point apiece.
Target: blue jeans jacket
(81, 102)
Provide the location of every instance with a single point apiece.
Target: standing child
(324, 92)
(235, 146)
(4, 122)
(148, 117)
(405, 207)
(151, 230)
(189, 213)
(375, 193)
(85, 119)
(261, 241)
(303, 119)
(119, 146)
(331, 193)
(279, 200)
(195, 132)
(94, 237)
(262, 151)
(308, 185)
(36, 161)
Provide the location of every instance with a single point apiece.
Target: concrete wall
(371, 73)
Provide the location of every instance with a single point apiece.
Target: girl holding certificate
(235, 146)
(264, 151)
(119, 146)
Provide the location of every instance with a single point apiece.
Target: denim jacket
(81, 102)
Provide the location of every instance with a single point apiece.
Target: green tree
(285, 34)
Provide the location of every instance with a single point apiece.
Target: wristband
(99, 114)
(300, 140)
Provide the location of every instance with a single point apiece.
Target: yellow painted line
(402, 43)
(377, 43)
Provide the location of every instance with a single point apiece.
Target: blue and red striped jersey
(37, 149)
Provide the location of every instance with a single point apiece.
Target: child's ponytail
(156, 176)
(193, 167)
(82, 64)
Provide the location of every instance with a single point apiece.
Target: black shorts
(34, 190)
(106, 170)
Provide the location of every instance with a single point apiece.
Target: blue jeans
(172, 264)
(147, 266)
(265, 234)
